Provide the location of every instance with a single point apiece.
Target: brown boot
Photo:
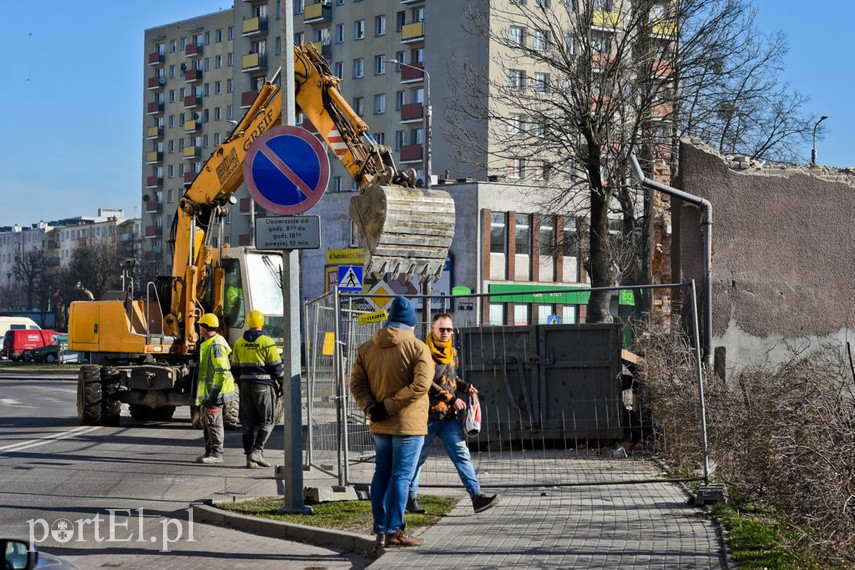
(380, 540)
(400, 538)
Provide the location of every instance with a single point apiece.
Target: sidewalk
(644, 525)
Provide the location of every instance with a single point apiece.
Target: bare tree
(583, 86)
(30, 271)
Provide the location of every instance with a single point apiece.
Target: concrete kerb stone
(338, 539)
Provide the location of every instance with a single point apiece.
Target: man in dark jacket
(258, 370)
(389, 381)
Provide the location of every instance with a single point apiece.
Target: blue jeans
(453, 439)
(394, 466)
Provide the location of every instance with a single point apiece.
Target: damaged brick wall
(782, 265)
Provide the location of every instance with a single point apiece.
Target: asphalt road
(118, 497)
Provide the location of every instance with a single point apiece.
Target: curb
(348, 541)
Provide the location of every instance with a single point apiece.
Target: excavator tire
(147, 414)
(111, 407)
(404, 230)
(231, 414)
(89, 396)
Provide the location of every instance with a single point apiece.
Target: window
(523, 234)
(570, 243)
(339, 33)
(358, 68)
(336, 186)
(546, 243)
(380, 25)
(418, 14)
(516, 36)
(299, 39)
(399, 100)
(229, 86)
(600, 42)
(416, 136)
(230, 58)
(544, 3)
(516, 79)
(359, 29)
(400, 138)
(216, 138)
(170, 146)
(515, 168)
(299, 6)
(207, 38)
(170, 173)
(218, 36)
(172, 95)
(538, 41)
(230, 33)
(538, 169)
(380, 103)
(379, 64)
(337, 69)
(171, 71)
(604, 5)
(172, 46)
(417, 55)
(218, 61)
(498, 237)
(541, 82)
(400, 20)
(515, 124)
(380, 138)
(218, 87)
(277, 45)
(357, 105)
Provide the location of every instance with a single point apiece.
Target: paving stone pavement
(645, 525)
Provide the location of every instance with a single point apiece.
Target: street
(119, 497)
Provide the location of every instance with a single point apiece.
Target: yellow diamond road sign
(384, 292)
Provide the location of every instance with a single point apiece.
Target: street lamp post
(813, 150)
(428, 125)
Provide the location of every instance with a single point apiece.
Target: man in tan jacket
(389, 381)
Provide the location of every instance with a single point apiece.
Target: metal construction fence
(558, 403)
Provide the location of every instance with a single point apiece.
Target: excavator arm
(403, 229)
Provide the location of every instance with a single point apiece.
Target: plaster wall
(781, 269)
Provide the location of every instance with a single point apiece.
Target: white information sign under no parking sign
(288, 232)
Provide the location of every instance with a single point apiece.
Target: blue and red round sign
(286, 170)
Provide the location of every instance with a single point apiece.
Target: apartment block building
(201, 74)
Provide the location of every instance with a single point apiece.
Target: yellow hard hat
(255, 319)
(210, 320)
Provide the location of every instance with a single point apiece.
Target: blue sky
(72, 94)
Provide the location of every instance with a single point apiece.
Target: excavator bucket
(404, 230)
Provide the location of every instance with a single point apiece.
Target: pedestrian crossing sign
(350, 278)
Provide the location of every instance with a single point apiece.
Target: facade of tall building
(202, 73)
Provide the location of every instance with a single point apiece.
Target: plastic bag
(471, 416)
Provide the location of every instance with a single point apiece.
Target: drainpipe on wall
(706, 225)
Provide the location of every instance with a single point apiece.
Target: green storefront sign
(549, 294)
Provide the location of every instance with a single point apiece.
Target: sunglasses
(444, 330)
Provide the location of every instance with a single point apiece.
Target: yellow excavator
(142, 351)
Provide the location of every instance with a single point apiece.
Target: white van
(16, 323)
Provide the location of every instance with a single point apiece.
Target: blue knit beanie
(402, 311)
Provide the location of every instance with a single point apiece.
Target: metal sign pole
(293, 425)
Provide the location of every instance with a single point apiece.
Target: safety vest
(256, 360)
(215, 370)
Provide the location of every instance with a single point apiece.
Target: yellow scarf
(440, 351)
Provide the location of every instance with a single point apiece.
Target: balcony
(315, 13)
(665, 27)
(153, 157)
(154, 182)
(153, 207)
(253, 62)
(247, 98)
(191, 152)
(152, 133)
(192, 101)
(412, 112)
(605, 20)
(411, 153)
(254, 27)
(189, 177)
(156, 82)
(408, 74)
(325, 49)
(151, 231)
(154, 108)
(413, 32)
(192, 126)
(192, 75)
(193, 50)
(156, 58)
